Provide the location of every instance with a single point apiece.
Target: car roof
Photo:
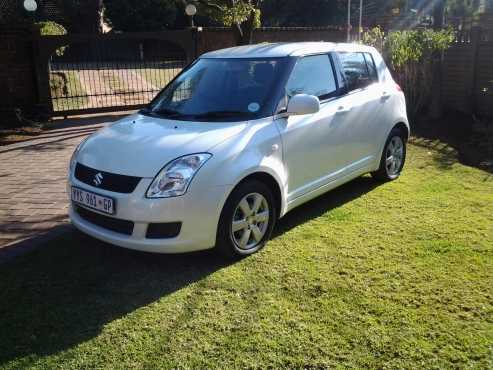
(285, 49)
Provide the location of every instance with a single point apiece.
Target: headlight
(174, 178)
(73, 159)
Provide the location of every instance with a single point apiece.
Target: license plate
(94, 201)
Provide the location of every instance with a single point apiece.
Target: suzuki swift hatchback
(238, 139)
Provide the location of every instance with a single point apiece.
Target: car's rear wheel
(247, 220)
(393, 157)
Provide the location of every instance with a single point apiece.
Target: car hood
(140, 146)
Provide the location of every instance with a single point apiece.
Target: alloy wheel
(394, 156)
(250, 221)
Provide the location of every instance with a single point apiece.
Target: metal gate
(79, 74)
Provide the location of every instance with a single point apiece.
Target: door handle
(343, 109)
(385, 96)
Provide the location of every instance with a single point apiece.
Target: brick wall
(17, 77)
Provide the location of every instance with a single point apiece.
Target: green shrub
(410, 55)
(51, 28)
(48, 28)
(58, 84)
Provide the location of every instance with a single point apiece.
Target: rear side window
(359, 70)
(312, 75)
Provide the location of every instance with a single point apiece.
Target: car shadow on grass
(324, 203)
(63, 293)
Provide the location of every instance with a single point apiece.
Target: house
(485, 18)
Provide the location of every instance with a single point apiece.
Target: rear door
(363, 99)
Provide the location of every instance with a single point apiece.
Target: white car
(238, 139)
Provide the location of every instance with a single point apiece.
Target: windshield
(221, 90)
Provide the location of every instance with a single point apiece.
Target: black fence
(96, 73)
(92, 83)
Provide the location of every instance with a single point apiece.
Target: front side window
(355, 70)
(312, 75)
(221, 90)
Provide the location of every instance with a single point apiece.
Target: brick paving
(33, 200)
(100, 93)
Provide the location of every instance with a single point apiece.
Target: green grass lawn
(398, 275)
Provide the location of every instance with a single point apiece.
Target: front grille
(110, 223)
(163, 230)
(108, 181)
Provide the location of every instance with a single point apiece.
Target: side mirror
(303, 104)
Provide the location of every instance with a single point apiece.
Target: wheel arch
(269, 180)
(402, 126)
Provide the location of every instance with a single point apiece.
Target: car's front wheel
(393, 156)
(247, 220)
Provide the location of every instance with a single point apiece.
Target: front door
(313, 144)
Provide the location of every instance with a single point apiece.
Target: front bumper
(198, 211)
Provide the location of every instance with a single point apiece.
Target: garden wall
(467, 74)
(17, 76)
(218, 38)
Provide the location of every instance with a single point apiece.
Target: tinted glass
(312, 75)
(220, 89)
(372, 69)
(355, 70)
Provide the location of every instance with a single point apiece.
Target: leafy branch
(411, 55)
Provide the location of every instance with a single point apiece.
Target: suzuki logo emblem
(98, 179)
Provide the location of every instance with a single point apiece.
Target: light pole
(348, 20)
(30, 6)
(191, 10)
(360, 19)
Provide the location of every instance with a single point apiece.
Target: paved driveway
(33, 200)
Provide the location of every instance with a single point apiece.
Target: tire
(252, 227)
(391, 164)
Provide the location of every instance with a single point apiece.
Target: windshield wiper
(220, 114)
(164, 112)
(170, 113)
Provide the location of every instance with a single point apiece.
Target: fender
(279, 178)
(258, 150)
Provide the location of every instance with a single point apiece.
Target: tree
(83, 16)
(462, 10)
(411, 55)
(52, 28)
(243, 16)
(140, 15)
(290, 13)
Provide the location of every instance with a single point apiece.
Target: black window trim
(340, 79)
